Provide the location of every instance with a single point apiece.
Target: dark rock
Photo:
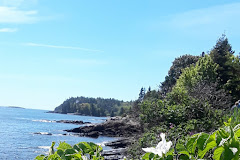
(121, 143)
(72, 122)
(115, 154)
(50, 112)
(113, 127)
(93, 134)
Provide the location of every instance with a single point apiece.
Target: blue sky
(52, 50)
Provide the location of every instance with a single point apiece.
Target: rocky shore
(73, 122)
(113, 127)
(123, 127)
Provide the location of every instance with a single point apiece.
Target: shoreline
(123, 128)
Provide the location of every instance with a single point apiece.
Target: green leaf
(184, 153)
(183, 157)
(227, 154)
(201, 141)
(209, 144)
(69, 152)
(217, 153)
(54, 157)
(60, 152)
(64, 146)
(148, 156)
(192, 143)
(169, 157)
(218, 138)
(180, 147)
(40, 157)
(77, 148)
(236, 130)
(223, 133)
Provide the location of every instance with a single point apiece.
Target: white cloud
(61, 47)
(8, 29)
(14, 15)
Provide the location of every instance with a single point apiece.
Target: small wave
(43, 133)
(43, 120)
(102, 144)
(44, 147)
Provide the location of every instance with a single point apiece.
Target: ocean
(17, 138)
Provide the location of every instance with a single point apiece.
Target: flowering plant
(160, 150)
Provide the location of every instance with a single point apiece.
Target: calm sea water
(17, 138)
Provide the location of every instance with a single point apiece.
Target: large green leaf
(217, 153)
(224, 134)
(210, 143)
(192, 143)
(64, 146)
(180, 147)
(201, 141)
(236, 130)
(227, 154)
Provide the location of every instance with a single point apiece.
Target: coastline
(124, 128)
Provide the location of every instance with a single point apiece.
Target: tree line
(99, 107)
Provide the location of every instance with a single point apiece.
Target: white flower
(162, 147)
(223, 141)
(84, 158)
(234, 150)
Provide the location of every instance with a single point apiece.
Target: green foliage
(176, 70)
(223, 144)
(80, 151)
(229, 67)
(205, 69)
(93, 106)
(195, 97)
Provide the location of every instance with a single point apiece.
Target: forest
(98, 107)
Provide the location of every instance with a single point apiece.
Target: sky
(51, 50)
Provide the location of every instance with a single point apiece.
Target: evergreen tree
(228, 67)
(142, 94)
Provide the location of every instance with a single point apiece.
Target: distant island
(13, 107)
(98, 107)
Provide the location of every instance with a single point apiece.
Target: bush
(80, 151)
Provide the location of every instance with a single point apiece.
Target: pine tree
(229, 67)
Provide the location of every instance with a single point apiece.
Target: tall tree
(228, 67)
(176, 70)
(142, 94)
(221, 54)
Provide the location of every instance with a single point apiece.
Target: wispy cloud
(15, 15)
(61, 47)
(8, 29)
